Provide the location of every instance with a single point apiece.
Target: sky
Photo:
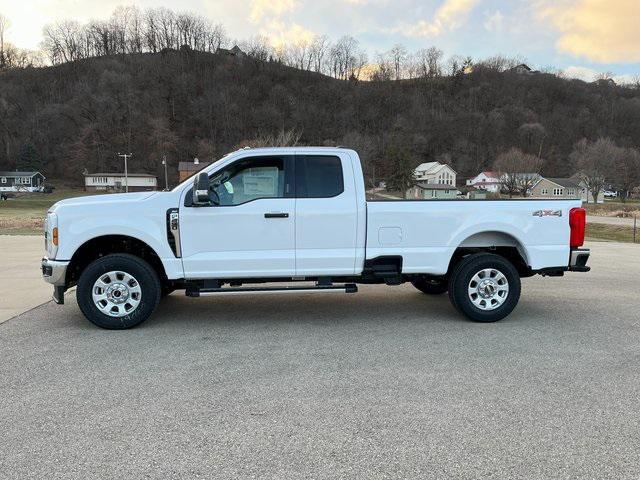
(580, 37)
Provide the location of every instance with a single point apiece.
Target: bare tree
(318, 51)
(284, 138)
(299, 54)
(347, 59)
(4, 25)
(533, 134)
(626, 172)
(518, 171)
(594, 161)
(63, 41)
(384, 69)
(398, 55)
(258, 47)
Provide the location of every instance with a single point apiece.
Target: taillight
(578, 223)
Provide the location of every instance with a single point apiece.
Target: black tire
(464, 273)
(431, 286)
(147, 278)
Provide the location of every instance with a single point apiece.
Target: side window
(318, 176)
(249, 179)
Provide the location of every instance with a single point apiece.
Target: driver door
(249, 231)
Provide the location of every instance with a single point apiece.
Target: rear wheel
(484, 287)
(118, 291)
(431, 286)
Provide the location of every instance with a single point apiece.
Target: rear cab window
(318, 176)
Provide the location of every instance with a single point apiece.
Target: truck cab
(299, 217)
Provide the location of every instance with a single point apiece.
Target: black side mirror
(201, 190)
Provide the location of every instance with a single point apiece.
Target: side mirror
(201, 190)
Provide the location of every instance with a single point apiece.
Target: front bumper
(55, 272)
(578, 260)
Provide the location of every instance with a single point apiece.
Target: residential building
(136, 182)
(236, 51)
(21, 181)
(187, 169)
(432, 191)
(489, 181)
(435, 173)
(522, 69)
(563, 188)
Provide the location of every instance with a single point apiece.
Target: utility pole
(166, 179)
(126, 177)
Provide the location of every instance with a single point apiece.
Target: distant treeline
(181, 103)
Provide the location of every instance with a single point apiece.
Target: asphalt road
(388, 383)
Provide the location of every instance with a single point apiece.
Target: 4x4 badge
(547, 213)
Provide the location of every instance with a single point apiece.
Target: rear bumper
(578, 260)
(55, 273)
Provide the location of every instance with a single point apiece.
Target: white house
(489, 181)
(137, 182)
(435, 172)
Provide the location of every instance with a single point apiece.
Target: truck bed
(426, 233)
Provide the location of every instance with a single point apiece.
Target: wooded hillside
(78, 115)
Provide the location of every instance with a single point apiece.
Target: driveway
(21, 284)
(388, 383)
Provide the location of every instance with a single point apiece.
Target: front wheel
(118, 291)
(484, 287)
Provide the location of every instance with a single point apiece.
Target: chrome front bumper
(55, 272)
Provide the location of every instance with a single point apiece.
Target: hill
(181, 104)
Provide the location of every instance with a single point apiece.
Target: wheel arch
(497, 242)
(100, 246)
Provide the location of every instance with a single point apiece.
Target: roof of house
(18, 174)
(192, 167)
(435, 186)
(491, 174)
(431, 167)
(563, 182)
(236, 50)
(521, 66)
(119, 175)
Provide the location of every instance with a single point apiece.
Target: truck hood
(117, 198)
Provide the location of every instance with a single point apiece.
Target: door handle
(276, 215)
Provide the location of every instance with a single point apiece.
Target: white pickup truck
(299, 216)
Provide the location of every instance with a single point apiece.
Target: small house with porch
(21, 181)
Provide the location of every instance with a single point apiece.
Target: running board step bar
(205, 292)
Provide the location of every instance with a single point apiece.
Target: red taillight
(577, 222)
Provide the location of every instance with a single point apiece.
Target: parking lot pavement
(388, 383)
(21, 284)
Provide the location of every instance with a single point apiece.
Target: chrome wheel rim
(116, 294)
(488, 289)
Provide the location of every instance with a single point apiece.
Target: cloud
(280, 34)
(451, 15)
(589, 75)
(603, 31)
(261, 8)
(493, 22)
